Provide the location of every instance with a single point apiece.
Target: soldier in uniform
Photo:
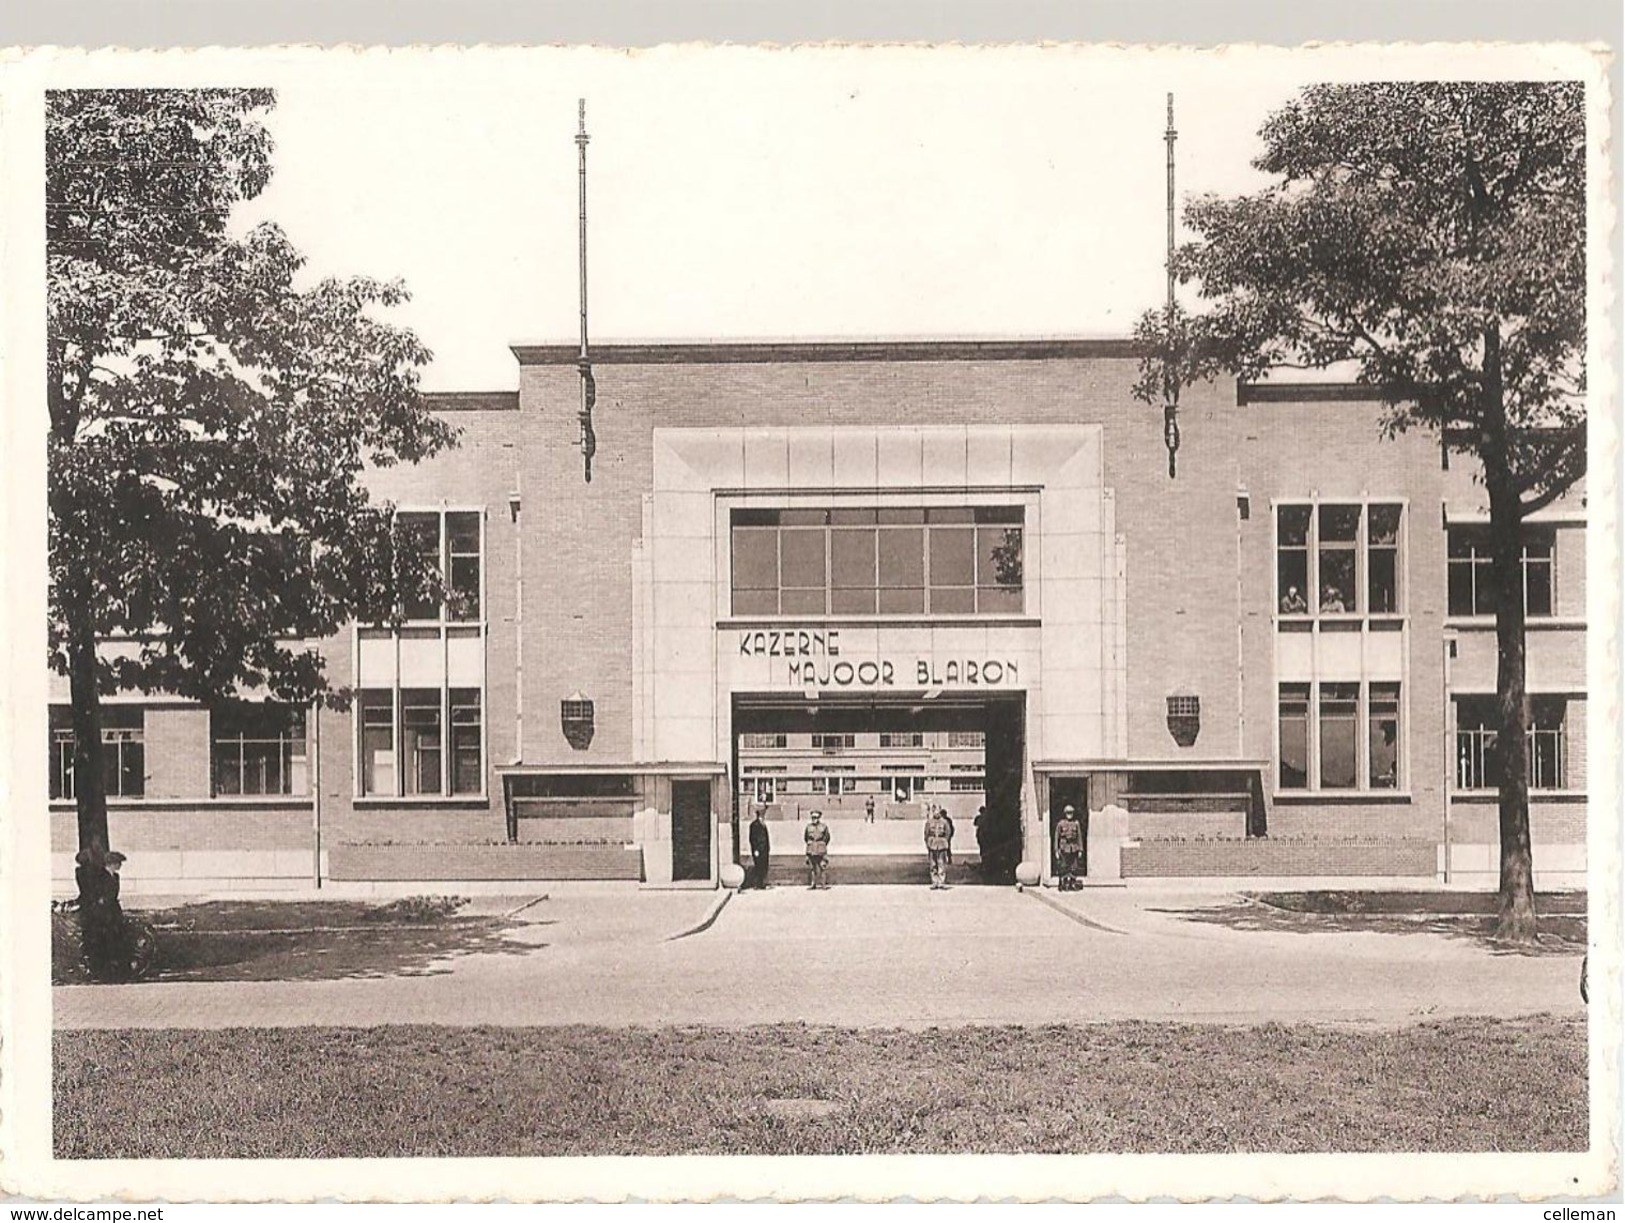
(760, 849)
(1069, 847)
(939, 839)
(817, 837)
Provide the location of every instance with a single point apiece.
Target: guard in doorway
(817, 837)
(1069, 847)
(761, 846)
(939, 839)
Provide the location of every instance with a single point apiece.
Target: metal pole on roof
(1170, 410)
(589, 390)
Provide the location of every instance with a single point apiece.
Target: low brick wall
(359, 863)
(1264, 857)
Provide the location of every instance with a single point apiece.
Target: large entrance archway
(872, 766)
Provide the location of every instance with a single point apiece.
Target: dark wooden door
(690, 830)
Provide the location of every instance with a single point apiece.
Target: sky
(747, 193)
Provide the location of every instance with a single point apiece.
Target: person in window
(816, 835)
(1331, 599)
(1293, 603)
(760, 849)
(939, 839)
(1069, 847)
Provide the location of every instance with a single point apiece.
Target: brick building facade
(1273, 664)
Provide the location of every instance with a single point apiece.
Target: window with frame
(833, 742)
(955, 560)
(257, 748)
(1478, 760)
(1339, 559)
(754, 739)
(124, 758)
(967, 738)
(1320, 742)
(1471, 578)
(421, 755)
(911, 738)
(963, 784)
(450, 542)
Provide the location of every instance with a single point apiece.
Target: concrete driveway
(885, 956)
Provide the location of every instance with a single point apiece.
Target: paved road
(885, 956)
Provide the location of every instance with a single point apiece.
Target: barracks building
(863, 578)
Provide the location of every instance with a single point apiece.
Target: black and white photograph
(919, 604)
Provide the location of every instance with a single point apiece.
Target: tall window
(1321, 743)
(378, 741)
(1473, 591)
(419, 756)
(1478, 759)
(1339, 721)
(124, 758)
(467, 763)
(1294, 721)
(1338, 559)
(449, 540)
(258, 748)
(1382, 725)
(420, 741)
(895, 561)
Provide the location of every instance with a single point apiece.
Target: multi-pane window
(449, 541)
(124, 761)
(967, 738)
(1478, 759)
(755, 739)
(257, 748)
(417, 757)
(902, 738)
(1338, 559)
(1321, 745)
(833, 742)
(1473, 591)
(964, 784)
(895, 561)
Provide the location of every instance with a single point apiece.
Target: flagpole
(589, 442)
(1170, 382)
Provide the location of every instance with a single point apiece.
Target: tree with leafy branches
(1431, 236)
(211, 412)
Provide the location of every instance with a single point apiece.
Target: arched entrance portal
(872, 766)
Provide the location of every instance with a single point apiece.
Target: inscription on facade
(814, 661)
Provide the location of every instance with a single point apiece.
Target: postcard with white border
(1028, 622)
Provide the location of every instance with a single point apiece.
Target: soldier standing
(760, 849)
(1069, 847)
(939, 839)
(869, 809)
(817, 837)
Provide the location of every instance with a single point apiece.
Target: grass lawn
(1460, 1085)
(280, 940)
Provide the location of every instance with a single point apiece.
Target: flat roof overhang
(1210, 764)
(611, 766)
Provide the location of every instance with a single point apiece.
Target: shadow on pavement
(232, 941)
(1561, 934)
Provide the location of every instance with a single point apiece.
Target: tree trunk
(89, 787)
(1516, 919)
